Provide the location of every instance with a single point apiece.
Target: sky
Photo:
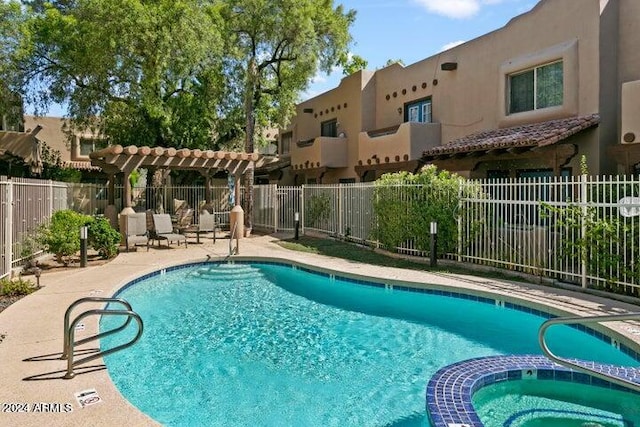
(411, 30)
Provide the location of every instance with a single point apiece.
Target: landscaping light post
(37, 272)
(83, 246)
(434, 244)
(296, 218)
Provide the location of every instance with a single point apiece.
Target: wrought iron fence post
(583, 228)
(340, 225)
(302, 208)
(276, 202)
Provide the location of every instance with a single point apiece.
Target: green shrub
(318, 209)
(405, 204)
(15, 287)
(103, 238)
(61, 236)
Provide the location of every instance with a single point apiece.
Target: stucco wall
(587, 35)
(51, 133)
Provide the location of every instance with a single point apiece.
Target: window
(497, 174)
(536, 88)
(347, 181)
(528, 213)
(419, 111)
(329, 128)
(285, 142)
(88, 145)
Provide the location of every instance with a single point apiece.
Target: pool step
(227, 272)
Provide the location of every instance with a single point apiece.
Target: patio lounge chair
(163, 230)
(136, 230)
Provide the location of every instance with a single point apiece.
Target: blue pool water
(269, 345)
(529, 403)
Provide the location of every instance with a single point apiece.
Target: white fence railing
(584, 230)
(578, 229)
(24, 205)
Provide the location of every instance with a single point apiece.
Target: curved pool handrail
(71, 333)
(67, 316)
(573, 320)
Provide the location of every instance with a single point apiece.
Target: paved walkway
(32, 392)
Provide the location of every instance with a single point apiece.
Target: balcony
(405, 142)
(320, 152)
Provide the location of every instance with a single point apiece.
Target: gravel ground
(7, 301)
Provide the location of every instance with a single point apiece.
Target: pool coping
(28, 339)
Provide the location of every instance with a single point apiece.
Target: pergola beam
(119, 159)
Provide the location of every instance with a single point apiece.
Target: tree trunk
(249, 106)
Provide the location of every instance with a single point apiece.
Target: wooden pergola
(117, 159)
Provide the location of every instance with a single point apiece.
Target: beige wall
(344, 104)
(587, 35)
(399, 143)
(630, 113)
(619, 65)
(54, 135)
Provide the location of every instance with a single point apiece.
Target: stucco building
(74, 151)
(529, 99)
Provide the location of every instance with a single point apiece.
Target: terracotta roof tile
(530, 135)
(80, 165)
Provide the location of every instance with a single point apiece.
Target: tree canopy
(151, 71)
(274, 48)
(11, 17)
(184, 73)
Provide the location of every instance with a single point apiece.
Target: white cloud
(451, 45)
(458, 9)
(319, 78)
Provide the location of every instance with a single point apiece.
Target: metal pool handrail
(234, 231)
(572, 320)
(69, 332)
(67, 315)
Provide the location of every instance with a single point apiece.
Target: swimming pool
(268, 344)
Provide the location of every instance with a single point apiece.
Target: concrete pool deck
(33, 393)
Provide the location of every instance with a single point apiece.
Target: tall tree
(274, 48)
(11, 19)
(150, 70)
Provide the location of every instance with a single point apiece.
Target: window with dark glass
(537, 88)
(329, 128)
(87, 145)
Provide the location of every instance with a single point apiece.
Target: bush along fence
(583, 230)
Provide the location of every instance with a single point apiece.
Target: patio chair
(206, 224)
(136, 230)
(163, 230)
(184, 219)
